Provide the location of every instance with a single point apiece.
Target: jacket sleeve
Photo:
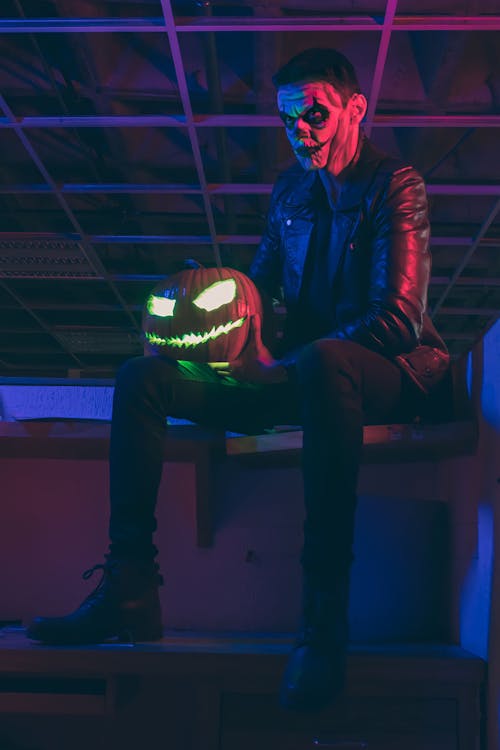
(400, 269)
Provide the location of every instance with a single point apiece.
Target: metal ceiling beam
(31, 350)
(213, 189)
(449, 241)
(476, 311)
(434, 121)
(459, 336)
(234, 188)
(463, 189)
(94, 307)
(341, 23)
(20, 371)
(470, 281)
(113, 187)
(463, 281)
(146, 239)
(240, 121)
(98, 121)
(21, 303)
(188, 113)
(449, 336)
(383, 49)
(492, 214)
(233, 24)
(448, 152)
(491, 242)
(81, 25)
(72, 307)
(176, 239)
(216, 105)
(467, 281)
(202, 239)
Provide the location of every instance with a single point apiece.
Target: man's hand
(256, 363)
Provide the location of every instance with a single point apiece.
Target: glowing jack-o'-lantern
(201, 315)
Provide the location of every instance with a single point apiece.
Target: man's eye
(288, 121)
(315, 117)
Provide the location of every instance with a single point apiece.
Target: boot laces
(106, 569)
(90, 572)
(110, 567)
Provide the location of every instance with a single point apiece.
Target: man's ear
(357, 107)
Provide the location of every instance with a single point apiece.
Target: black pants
(337, 387)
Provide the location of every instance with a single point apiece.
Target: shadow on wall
(480, 602)
(476, 596)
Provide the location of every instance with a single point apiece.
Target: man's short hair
(320, 64)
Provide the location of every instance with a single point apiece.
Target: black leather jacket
(381, 278)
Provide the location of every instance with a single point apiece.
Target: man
(347, 241)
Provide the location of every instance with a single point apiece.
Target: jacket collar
(355, 185)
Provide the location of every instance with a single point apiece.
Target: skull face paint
(317, 124)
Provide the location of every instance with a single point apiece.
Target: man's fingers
(220, 368)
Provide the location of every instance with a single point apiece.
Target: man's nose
(300, 127)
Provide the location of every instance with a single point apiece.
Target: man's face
(317, 124)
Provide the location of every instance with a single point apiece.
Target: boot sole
(124, 635)
(136, 635)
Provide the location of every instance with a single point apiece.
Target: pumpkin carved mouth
(194, 339)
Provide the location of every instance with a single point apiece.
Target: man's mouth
(308, 150)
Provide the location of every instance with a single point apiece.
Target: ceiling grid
(87, 249)
(146, 122)
(188, 113)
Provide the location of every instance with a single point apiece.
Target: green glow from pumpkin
(162, 307)
(194, 339)
(216, 295)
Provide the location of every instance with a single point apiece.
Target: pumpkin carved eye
(217, 294)
(162, 307)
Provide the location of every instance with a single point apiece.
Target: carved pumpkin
(201, 315)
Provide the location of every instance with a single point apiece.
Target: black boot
(125, 605)
(315, 671)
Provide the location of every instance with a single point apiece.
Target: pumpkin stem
(191, 263)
